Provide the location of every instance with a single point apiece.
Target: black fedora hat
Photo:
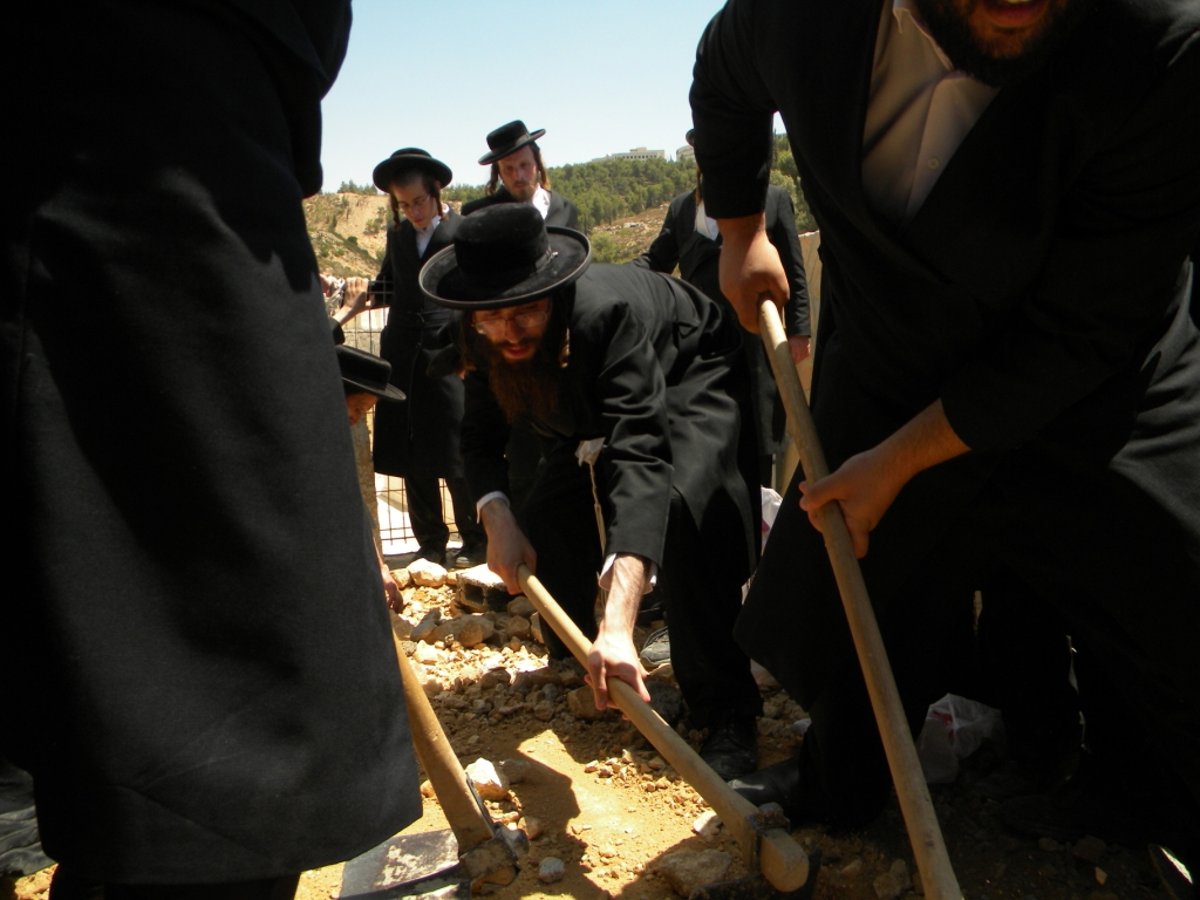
(367, 373)
(508, 139)
(504, 255)
(406, 159)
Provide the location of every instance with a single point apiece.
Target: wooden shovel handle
(470, 823)
(929, 848)
(781, 860)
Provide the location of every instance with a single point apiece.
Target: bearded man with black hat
(519, 176)
(636, 382)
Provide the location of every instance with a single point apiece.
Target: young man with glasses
(418, 440)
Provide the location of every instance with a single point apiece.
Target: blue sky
(601, 76)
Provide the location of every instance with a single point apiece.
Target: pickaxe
(761, 834)
(929, 848)
(487, 853)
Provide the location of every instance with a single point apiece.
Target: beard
(529, 389)
(952, 33)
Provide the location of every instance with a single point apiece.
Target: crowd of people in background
(1006, 383)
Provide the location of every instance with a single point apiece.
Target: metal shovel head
(421, 865)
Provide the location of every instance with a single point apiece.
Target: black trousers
(428, 518)
(1112, 565)
(700, 596)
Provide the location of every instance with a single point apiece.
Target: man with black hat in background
(636, 382)
(418, 440)
(518, 175)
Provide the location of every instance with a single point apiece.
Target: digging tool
(761, 835)
(929, 848)
(487, 853)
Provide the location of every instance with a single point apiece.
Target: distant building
(686, 153)
(638, 153)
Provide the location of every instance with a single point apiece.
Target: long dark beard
(952, 34)
(530, 389)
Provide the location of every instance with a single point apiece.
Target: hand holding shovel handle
(782, 861)
(929, 848)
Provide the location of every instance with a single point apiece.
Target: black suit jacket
(655, 369)
(420, 435)
(562, 212)
(1040, 291)
(697, 255)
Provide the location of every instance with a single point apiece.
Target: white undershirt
(541, 201)
(425, 235)
(919, 110)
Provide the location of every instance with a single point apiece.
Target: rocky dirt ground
(608, 818)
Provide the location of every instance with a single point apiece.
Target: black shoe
(657, 650)
(780, 784)
(1014, 779)
(470, 555)
(433, 554)
(731, 748)
(1077, 809)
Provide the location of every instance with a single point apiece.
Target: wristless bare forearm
(624, 593)
(924, 441)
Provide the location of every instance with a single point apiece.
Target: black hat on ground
(508, 139)
(367, 373)
(504, 255)
(410, 158)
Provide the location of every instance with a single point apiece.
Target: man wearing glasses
(635, 381)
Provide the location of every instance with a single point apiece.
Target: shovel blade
(421, 865)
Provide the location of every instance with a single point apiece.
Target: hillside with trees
(621, 206)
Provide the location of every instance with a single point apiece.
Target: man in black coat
(518, 175)
(690, 240)
(198, 651)
(635, 381)
(1007, 371)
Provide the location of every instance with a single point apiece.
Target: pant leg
(425, 511)
(469, 526)
(560, 522)
(702, 603)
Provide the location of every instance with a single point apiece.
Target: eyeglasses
(525, 320)
(417, 201)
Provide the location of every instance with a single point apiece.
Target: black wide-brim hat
(504, 255)
(410, 158)
(508, 139)
(367, 373)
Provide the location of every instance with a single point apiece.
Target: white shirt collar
(541, 201)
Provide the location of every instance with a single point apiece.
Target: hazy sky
(601, 76)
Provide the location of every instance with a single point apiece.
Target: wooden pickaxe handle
(929, 848)
(471, 824)
(781, 860)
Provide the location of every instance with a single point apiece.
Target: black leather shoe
(779, 783)
(731, 748)
(1079, 808)
(470, 555)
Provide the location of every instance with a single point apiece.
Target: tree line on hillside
(608, 189)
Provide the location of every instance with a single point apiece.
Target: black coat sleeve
(781, 229)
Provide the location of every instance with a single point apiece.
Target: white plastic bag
(954, 728)
(770, 507)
